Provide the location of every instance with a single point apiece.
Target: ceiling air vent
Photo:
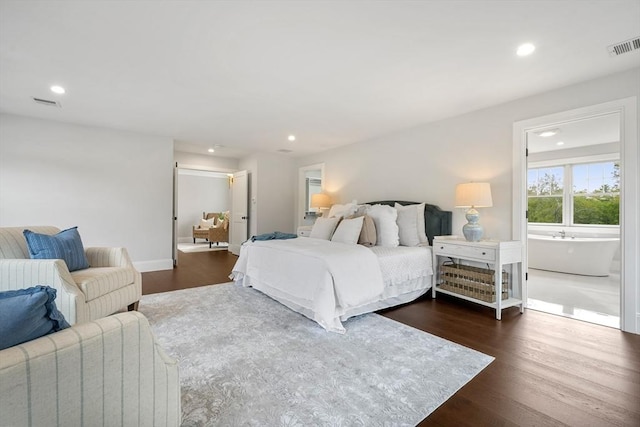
(284, 150)
(624, 47)
(46, 102)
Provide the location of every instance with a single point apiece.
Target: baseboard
(154, 265)
(187, 240)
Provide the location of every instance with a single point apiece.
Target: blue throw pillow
(66, 245)
(27, 314)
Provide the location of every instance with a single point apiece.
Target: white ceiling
(577, 133)
(246, 74)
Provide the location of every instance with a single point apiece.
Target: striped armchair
(106, 372)
(109, 285)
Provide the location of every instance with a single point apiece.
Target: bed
(330, 282)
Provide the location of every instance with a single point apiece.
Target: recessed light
(211, 150)
(525, 49)
(292, 138)
(547, 132)
(559, 143)
(57, 89)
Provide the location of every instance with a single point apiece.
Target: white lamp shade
(476, 194)
(320, 200)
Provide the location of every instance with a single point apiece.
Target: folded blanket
(276, 235)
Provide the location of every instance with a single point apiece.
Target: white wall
(271, 196)
(198, 192)
(426, 162)
(115, 186)
(275, 195)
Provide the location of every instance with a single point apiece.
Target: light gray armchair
(109, 285)
(106, 372)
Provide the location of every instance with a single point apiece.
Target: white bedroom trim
(630, 183)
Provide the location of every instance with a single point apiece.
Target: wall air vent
(284, 150)
(624, 47)
(47, 102)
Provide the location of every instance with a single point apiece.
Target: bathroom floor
(587, 298)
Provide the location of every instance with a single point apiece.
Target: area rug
(202, 247)
(245, 359)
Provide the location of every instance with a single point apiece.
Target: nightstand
(304, 230)
(498, 254)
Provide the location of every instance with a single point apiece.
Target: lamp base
(472, 230)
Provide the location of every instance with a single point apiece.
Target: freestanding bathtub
(586, 256)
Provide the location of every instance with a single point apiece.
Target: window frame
(568, 193)
(544, 196)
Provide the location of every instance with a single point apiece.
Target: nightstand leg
(498, 280)
(434, 278)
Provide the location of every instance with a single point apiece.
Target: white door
(174, 240)
(239, 211)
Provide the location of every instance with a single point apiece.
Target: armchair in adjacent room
(201, 231)
(214, 227)
(219, 232)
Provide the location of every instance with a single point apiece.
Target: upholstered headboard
(437, 222)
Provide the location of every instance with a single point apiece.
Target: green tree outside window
(595, 195)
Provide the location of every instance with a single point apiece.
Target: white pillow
(407, 226)
(361, 210)
(348, 231)
(207, 223)
(422, 230)
(384, 217)
(411, 224)
(341, 211)
(323, 228)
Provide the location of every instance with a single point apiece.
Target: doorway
(199, 196)
(573, 228)
(628, 194)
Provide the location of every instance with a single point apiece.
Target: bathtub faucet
(562, 233)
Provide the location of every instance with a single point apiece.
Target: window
(545, 195)
(596, 193)
(575, 194)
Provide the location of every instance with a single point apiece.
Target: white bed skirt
(396, 295)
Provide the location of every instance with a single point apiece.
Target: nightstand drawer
(304, 231)
(456, 251)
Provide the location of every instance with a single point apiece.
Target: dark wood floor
(193, 269)
(548, 371)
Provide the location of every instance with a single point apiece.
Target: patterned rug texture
(245, 359)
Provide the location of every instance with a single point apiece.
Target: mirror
(311, 180)
(313, 186)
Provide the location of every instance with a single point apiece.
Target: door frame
(302, 170)
(629, 203)
(176, 210)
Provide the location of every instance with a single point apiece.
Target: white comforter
(318, 278)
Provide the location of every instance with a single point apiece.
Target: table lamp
(473, 195)
(321, 201)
